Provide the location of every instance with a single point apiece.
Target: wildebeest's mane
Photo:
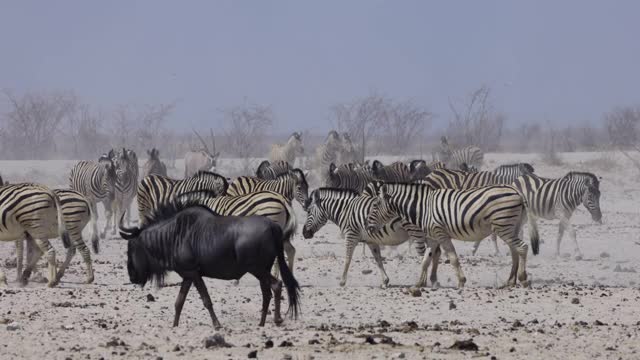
(169, 209)
(594, 179)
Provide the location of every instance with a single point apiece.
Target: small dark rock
(575, 301)
(366, 272)
(464, 345)
(452, 305)
(512, 350)
(314, 342)
(268, 344)
(216, 341)
(370, 340)
(150, 298)
(604, 255)
(286, 344)
(253, 354)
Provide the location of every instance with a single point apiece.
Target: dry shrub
(549, 154)
(605, 162)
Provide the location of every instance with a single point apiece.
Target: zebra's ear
(377, 166)
(332, 168)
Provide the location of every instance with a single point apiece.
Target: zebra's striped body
(32, 211)
(326, 154)
(454, 158)
(349, 210)
(396, 172)
(97, 182)
(468, 215)
(347, 153)
(126, 162)
(155, 190)
(261, 203)
(348, 177)
(291, 185)
(76, 214)
(288, 151)
(558, 198)
(270, 171)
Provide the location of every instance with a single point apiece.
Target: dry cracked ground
(577, 307)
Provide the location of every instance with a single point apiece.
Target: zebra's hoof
(343, 283)
(435, 284)
(89, 280)
(278, 321)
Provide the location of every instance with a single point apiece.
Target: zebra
(261, 203)
(400, 172)
(558, 198)
(126, 162)
(454, 158)
(290, 185)
(269, 171)
(349, 210)
(155, 190)
(154, 166)
(347, 176)
(458, 179)
(33, 212)
(97, 182)
(466, 215)
(76, 213)
(327, 153)
(288, 151)
(347, 153)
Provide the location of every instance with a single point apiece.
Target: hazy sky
(560, 61)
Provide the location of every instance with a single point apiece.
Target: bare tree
(34, 119)
(623, 127)
(393, 126)
(247, 128)
(140, 127)
(475, 121)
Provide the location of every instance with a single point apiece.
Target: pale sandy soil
(80, 321)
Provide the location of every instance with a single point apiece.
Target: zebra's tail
(534, 236)
(62, 229)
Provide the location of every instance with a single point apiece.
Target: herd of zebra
(429, 204)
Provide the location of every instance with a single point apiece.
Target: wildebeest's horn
(127, 233)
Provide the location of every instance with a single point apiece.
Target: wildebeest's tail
(293, 289)
(533, 229)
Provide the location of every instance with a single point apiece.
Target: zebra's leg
(447, 245)
(33, 255)
(86, 258)
(71, 252)
(424, 266)
(352, 242)
(108, 211)
(377, 256)
(561, 228)
(19, 257)
(572, 233)
(494, 239)
(45, 247)
(476, 245)
(434, 268)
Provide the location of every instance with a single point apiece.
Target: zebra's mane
(527, 166)
(338, 191)
(577, 174)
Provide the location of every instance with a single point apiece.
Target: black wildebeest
(192, 241)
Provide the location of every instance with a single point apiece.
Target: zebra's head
(591, 198)
(301, 186)
(295, 141)
(381, 210)
(109, 176)
(316, 215)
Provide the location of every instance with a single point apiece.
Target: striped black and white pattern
(154, 166)
(468, 215)
(454, 158)
(156, 190)
(126, 162)
(33, 212)
(349, 176)
(349, 210)
(97, 182)
(271, 170)
(292, 185)
(76, 214)
(557, 199)
(261, 203)
(347, 153)
(326, 154)
(287, 152)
